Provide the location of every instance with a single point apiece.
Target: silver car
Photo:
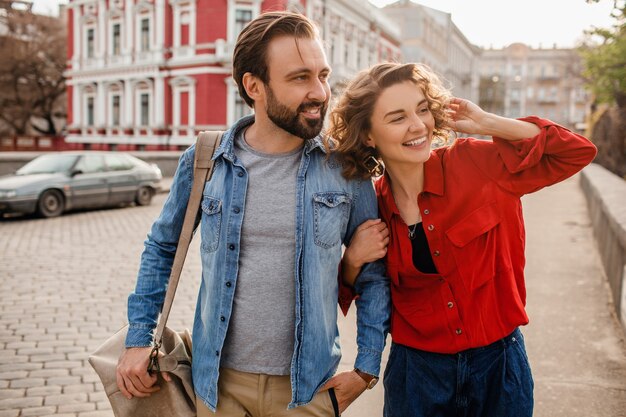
(54, 183)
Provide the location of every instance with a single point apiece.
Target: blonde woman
(455, 252)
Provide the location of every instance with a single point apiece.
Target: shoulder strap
(206, 144)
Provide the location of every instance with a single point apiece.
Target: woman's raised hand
(466, 116)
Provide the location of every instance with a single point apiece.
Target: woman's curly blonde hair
(350, 118)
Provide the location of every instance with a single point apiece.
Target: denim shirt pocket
(211, 223)
(331, 211)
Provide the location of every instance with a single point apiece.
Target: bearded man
(274, 217)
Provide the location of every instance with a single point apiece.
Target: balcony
(547, 100)
(224, 51)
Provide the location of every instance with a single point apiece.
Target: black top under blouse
(422, 259)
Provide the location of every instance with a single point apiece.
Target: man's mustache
(312, 105)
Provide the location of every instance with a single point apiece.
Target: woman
(455, 253)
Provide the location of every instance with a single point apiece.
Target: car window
(89, 164)
(46, 164)
(118, 163)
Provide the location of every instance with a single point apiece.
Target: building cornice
(102, 75)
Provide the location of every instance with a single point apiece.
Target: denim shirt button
(228, 284)
(231, 247)
(217, 353)
(240, 174)
(222, 318)
(236, 210)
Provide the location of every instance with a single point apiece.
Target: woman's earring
(373, 166)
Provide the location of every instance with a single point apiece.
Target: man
(274, 217)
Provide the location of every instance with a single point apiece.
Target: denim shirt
(328, 210)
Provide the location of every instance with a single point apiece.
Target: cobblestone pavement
(64, 283)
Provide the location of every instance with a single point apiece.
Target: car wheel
(144, 196)
(50, 204)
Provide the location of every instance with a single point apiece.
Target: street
(64, 283)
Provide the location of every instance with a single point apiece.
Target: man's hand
(133, 378)
(348, 386)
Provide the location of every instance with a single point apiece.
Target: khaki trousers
(242, 394)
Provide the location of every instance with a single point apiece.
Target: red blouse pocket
(475, 243)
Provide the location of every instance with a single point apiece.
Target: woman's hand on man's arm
(368, 244)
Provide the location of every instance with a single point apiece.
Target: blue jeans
(493, 380)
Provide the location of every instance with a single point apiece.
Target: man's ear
(254, 86)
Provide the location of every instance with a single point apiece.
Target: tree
(605, 72)
(605, 64)
(32, 61)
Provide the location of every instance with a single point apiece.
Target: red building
(150, 74)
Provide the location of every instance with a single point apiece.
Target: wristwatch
(370, 380)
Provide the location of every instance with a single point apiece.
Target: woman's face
(402, 125)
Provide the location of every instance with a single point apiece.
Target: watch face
(372, 383)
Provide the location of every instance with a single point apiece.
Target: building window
(241, 108)
(145, 35)
(90, 111)
(145, 109)
(515, 95)
(242, 17)
(115, 110)
(185, 20)
(554, 94)
(117, 35)
(91, 33)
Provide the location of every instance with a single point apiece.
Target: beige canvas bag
(177, 397)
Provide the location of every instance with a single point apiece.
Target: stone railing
(606, 198)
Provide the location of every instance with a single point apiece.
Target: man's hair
(250, 54)
(350, 119)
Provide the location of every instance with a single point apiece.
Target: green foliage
(605, 61)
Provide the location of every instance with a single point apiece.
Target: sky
(498, 23)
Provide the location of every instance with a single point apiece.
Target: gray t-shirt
(260, 337)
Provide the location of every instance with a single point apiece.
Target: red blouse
(472, 216)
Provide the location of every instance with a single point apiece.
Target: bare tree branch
(32, 61)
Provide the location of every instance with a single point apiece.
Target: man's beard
(289, 120)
